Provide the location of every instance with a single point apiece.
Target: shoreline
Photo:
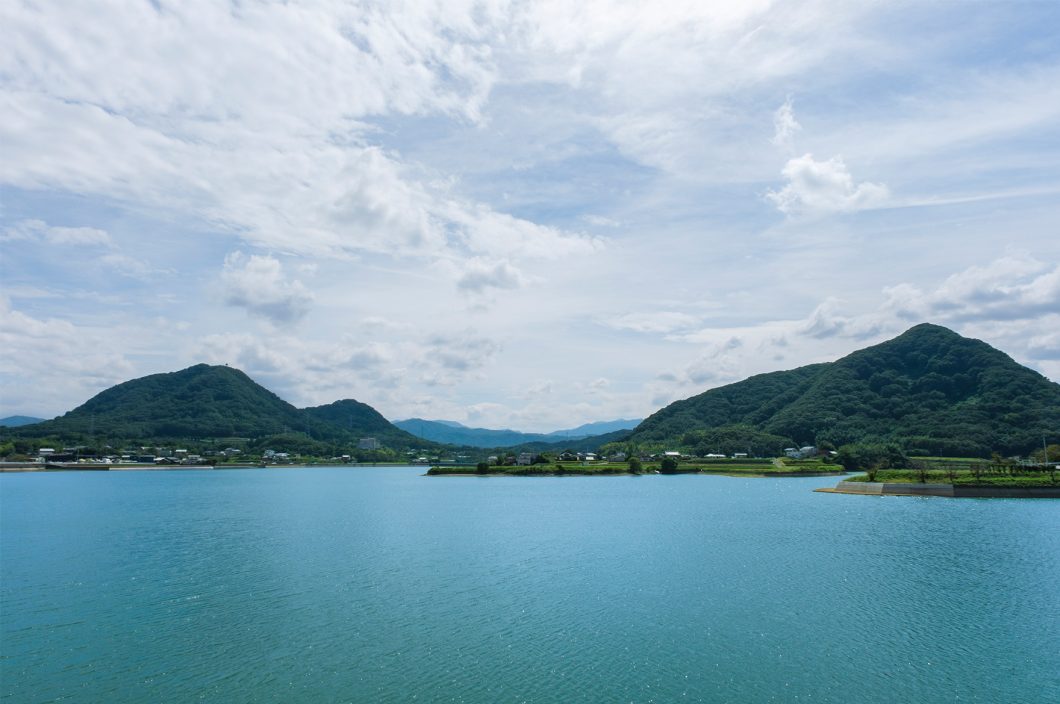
(952, 491)
(752, 475)
(37, 468)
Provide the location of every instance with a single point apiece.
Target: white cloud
(721, 360)
(347, 60)
(429, 157)
(52, 363)
(1014, 287)
(1013, 303)
(481, 274)
(716, 365)
(312, 373)
(272, 146)
(389, 375)
(258, 284)
(486, 412)
(25, 234)
(660, 322)
(461, 353)
(785, 127)
(601, 221)
(823, 187)
(132, 267)
(38, 230)
(665, 75)
(539, 389)
(826, 320)
(1045, 346)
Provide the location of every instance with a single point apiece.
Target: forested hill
(929, 390)
(200, 401)
(212, 402)
(361, 420)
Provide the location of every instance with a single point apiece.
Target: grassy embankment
(739, 467)
(964, 471)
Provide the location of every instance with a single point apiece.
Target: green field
(965, 477)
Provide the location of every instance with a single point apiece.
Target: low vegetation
(963, 471)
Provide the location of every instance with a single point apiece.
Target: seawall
(948, 490)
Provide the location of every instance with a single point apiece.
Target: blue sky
(530, 215)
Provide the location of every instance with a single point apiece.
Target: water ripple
(384, 586)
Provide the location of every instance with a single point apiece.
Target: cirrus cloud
(38, 230)
(274, 147)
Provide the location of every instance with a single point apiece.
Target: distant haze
(17, 421)
(456, 433)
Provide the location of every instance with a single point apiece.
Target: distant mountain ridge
(18, 421)
(455, 433)
(929, 390)
(204, 401)
(602, 427)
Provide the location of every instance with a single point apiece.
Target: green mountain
(200, 401)
(361, 420)
(929, 389)
(213, 402)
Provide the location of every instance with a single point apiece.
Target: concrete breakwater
(948, 490)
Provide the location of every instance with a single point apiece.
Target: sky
(517, 214)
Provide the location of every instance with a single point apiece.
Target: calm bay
(382, 585)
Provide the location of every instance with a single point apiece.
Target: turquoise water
(381, 585)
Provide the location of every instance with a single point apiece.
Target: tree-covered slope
(200, 401)
(750, 402)
(928, 389)
(214, 402)
(361, 420)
